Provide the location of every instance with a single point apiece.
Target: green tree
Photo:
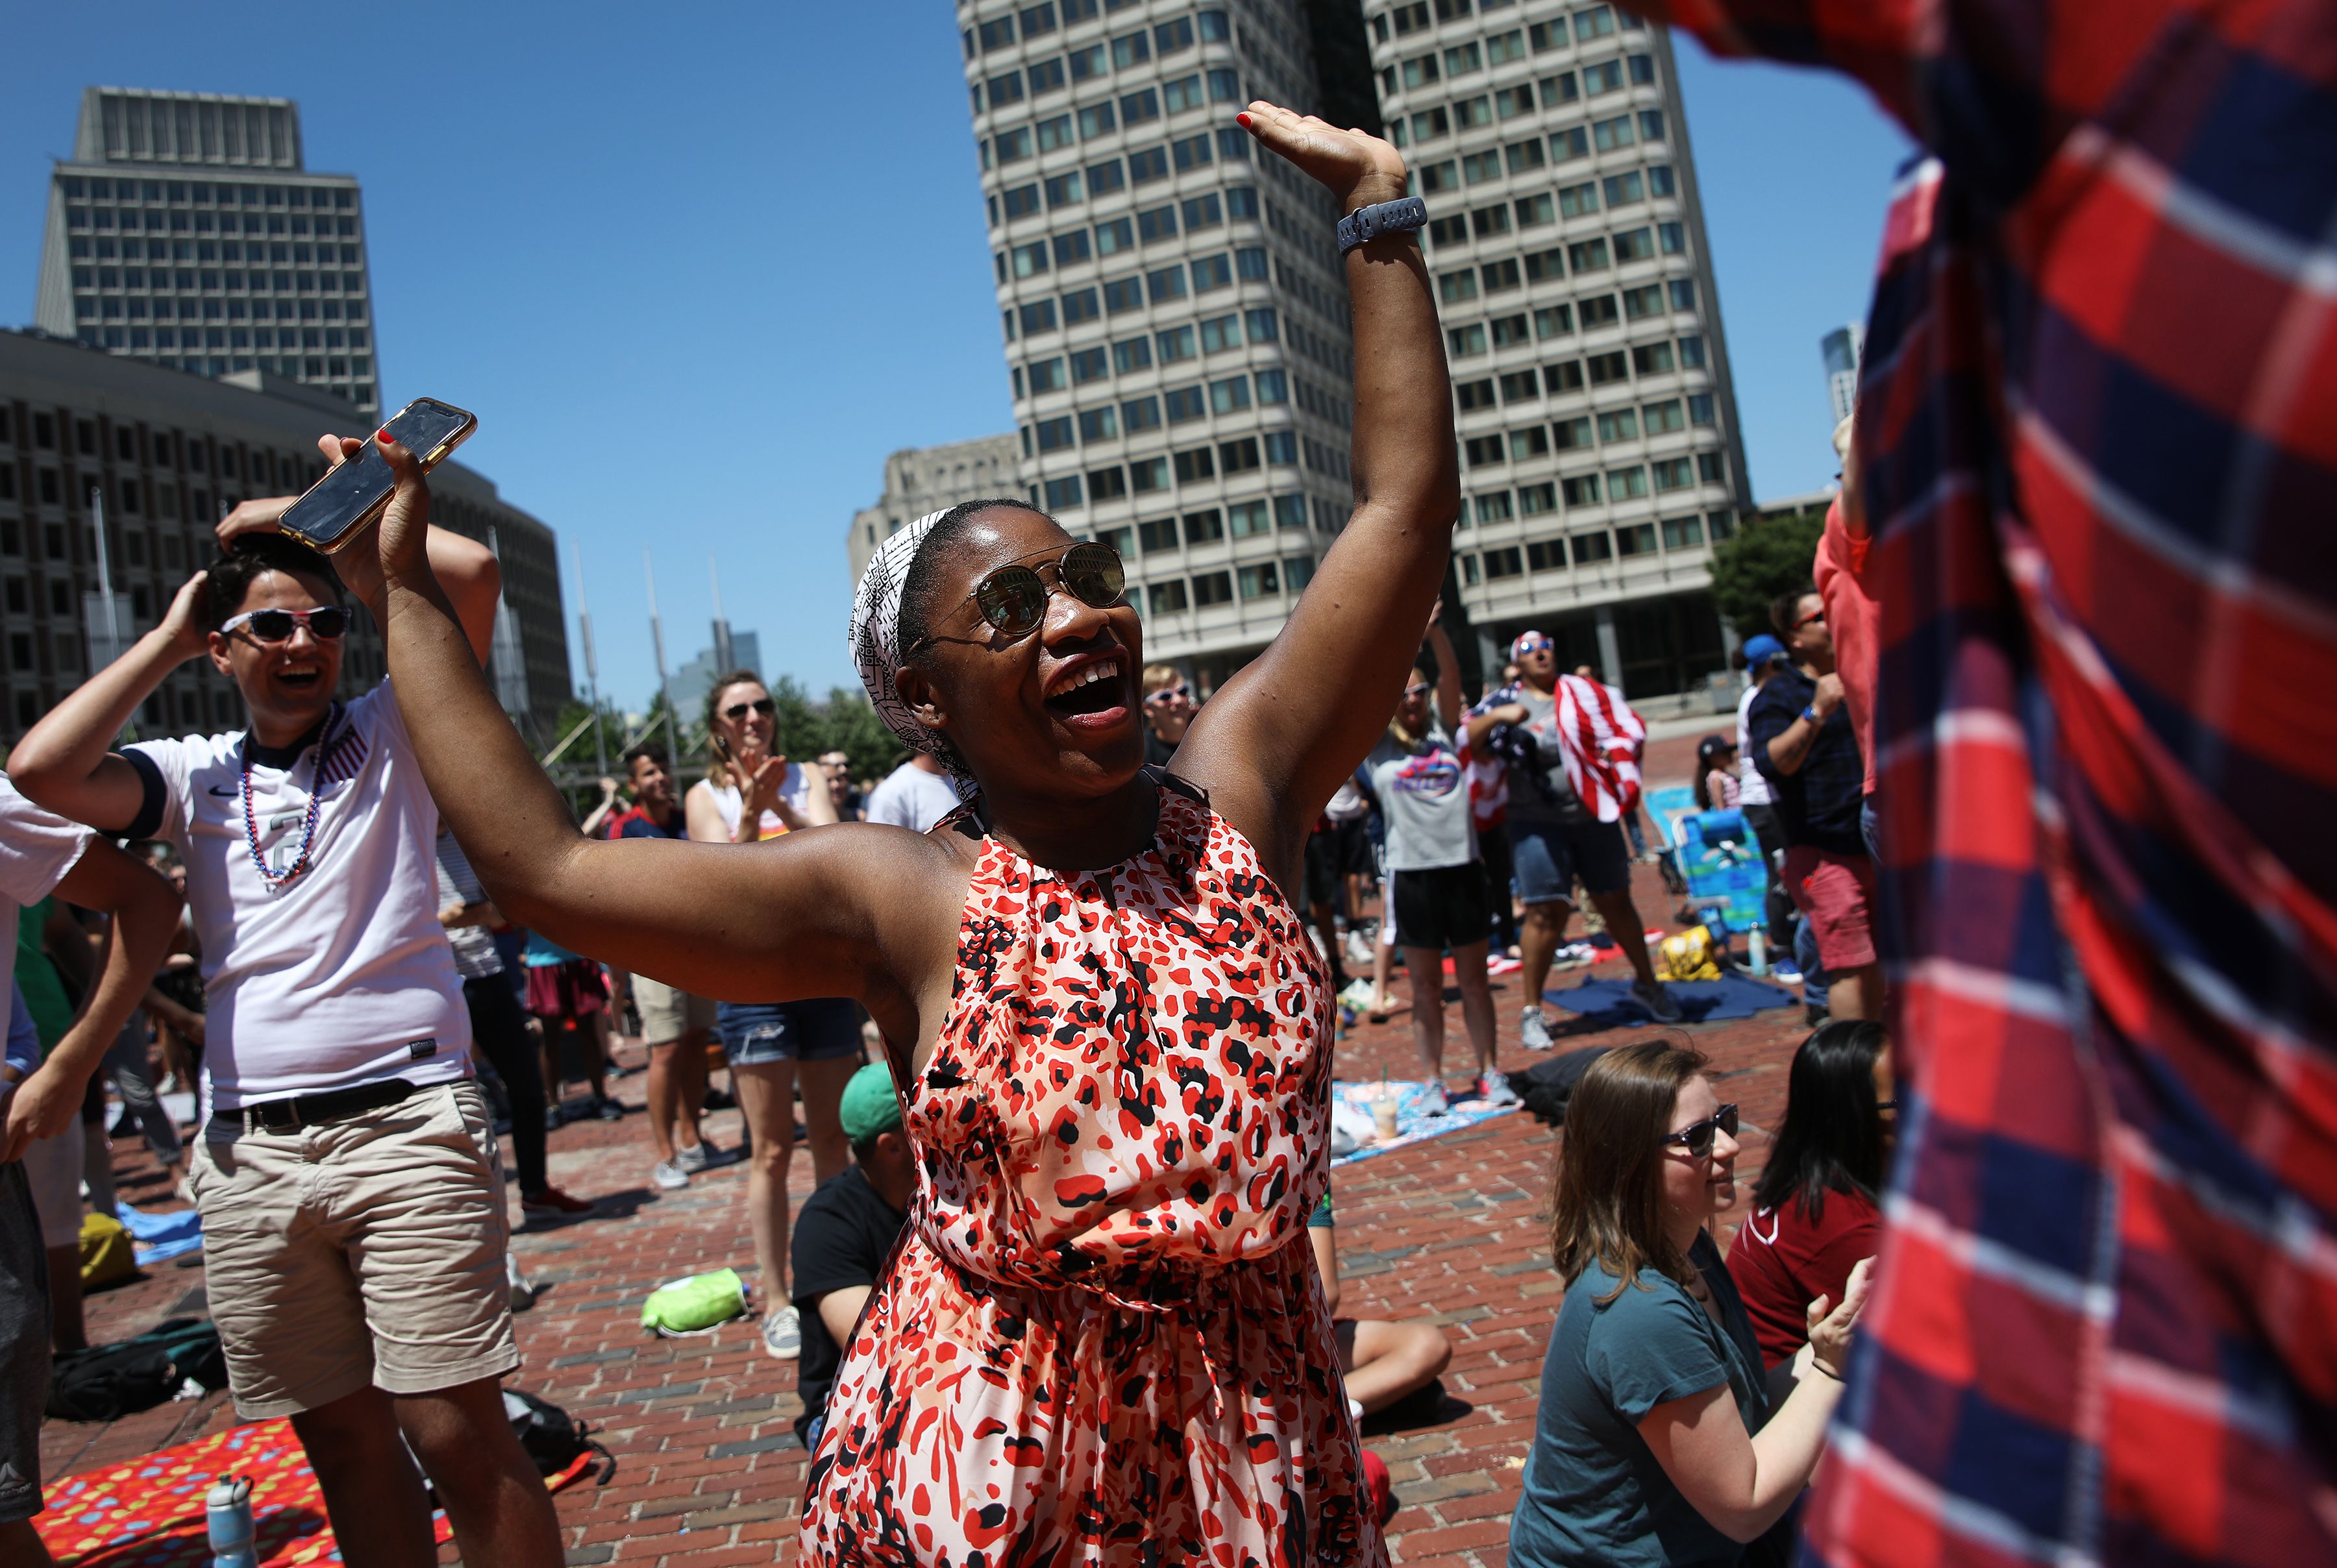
(851, 727)
(1767, 558)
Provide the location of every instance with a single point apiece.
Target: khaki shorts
(367, 1250)
(53, 1166)
(668, 1014)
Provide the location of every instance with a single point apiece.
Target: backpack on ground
(1545, 1088)
(106, 1382)
(552, 1438)
(108, 1255)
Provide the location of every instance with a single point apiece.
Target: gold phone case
(372, 514)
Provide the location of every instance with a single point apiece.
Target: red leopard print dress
(1101, 1339)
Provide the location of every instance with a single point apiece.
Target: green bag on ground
(695, 1305)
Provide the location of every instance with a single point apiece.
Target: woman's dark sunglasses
(1696, 1137)
(325, 623)
(738, 711)
(1013, 598)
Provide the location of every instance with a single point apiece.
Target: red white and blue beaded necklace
(274, 883)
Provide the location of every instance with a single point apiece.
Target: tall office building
(1175, 316)
(1600, 455)
(923, 479)
(1840, 349)
(187, 233)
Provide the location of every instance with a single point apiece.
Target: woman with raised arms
(1102, 1338)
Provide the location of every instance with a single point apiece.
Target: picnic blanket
(1414, 1125)
(149, 1513)
(1610, 1005)
(158, 1237)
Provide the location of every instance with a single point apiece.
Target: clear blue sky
(699, 269)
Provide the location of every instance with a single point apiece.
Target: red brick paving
(709, 1471)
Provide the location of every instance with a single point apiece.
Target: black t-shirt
(843, 1234)
(1158, 753)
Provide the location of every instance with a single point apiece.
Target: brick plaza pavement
(708, 1472)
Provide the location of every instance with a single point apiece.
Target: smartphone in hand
(337, 508)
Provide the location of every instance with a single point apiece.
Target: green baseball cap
(869, 1106)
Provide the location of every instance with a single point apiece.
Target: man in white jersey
(354, 1219)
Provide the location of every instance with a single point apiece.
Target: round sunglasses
(325, 623)
(1696, 1137)
(1012, 600)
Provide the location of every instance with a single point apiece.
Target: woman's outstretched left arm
(1274, 742)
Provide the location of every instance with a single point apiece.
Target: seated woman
(1813, 1212)
(1657, 1441)
(1382, 1362)
(1101, 1339)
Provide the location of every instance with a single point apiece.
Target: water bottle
(1756, 952)
(229, 1510)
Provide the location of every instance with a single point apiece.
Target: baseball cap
(869, 1106)
(1761, 647)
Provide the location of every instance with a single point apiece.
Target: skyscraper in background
(1173, 309)
(186, 231)
(1841, 349)
(1177, 338)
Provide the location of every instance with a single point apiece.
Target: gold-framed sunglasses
(1013, 599)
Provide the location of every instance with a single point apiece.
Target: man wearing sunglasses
(1167, 709)
(354, 1219)
(1803, 744)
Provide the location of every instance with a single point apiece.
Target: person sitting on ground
(1806, 747)
(845, 1231)
(1149, 1342)
(1436, 884)
(677, 1027)
(1382, 1362)
(354, 1227)
(1814, 1212)
(914, 796)
(779, 1052)
(1716, 783)
(1657, 1440)
(1168, 710)
(1565, 806)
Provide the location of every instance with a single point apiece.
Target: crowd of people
(1098, 930)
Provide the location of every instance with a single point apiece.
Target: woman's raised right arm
(796, 918)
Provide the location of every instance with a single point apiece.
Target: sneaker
(1532, 1032)
(1653, 996)
(552, 1201)
(1785, 974)
(522, 1293)
(701, 1155)
(608, 1110)
(1435, 1101)
(669, 1176)
(782, 1335)
(1494, 1089)
(1359, 949)
(1359, 996)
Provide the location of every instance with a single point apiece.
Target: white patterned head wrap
(876, 633)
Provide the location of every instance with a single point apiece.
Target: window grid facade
(1173, 304)
(1600, 457)
(185, 233)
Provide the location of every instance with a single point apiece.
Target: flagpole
(656, 642)
(591, 664)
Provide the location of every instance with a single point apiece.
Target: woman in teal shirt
(1657, 1442)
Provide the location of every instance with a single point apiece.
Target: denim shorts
(754, 1033)
(1546, 858)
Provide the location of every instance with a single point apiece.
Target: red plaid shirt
(2098, 439)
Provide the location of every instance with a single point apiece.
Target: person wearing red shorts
(1804, 745)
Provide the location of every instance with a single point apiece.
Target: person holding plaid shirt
(2097, 461)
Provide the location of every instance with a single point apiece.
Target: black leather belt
(295, 1112)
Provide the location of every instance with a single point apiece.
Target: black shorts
(1342, 850)
(23, 1346)
(1446, 907)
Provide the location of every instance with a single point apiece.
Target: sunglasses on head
(1168, 694)
(738, 711)
(1012, 600)
(325, 623)
(1696, 1137)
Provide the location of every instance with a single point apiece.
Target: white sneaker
(1359, 949)
(782, 1334)
(1785, 974)
(1652, 996)
(522, 1293)
(697, 1157)
(1495, 1089)
(667, 1177)
(1436, 1102)
(1532, 1032)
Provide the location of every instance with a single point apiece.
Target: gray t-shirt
(1594, 1493)
(1423, 795)
(1548, 795)
(475, 946)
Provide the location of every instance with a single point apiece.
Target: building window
(1220, 332)
(1204, 526)
(1212, 588)
(1464, 341)
(1582, 490)
(1537, 499)
(1139, 108)
(1635, 538)
(1260, 582)
(1157, 223)
(1113, 238)
(1485, 451)
(1471, 396)
(1097, 424)
(1140, 413)
(1122, 294)
(1186, 403)
(1132, 354)
(1064, 492)
(1167, 598)
(1039, 316)
(1591, 548)
(1167, 284)
(1080, 305)
(1195, 463)
(1627, 484)
(1175, 343)
(1506, 561)
(1054, 434)
(1683, 533)
(1231, 395)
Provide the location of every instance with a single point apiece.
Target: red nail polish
(383, 436)
(1242, 121)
